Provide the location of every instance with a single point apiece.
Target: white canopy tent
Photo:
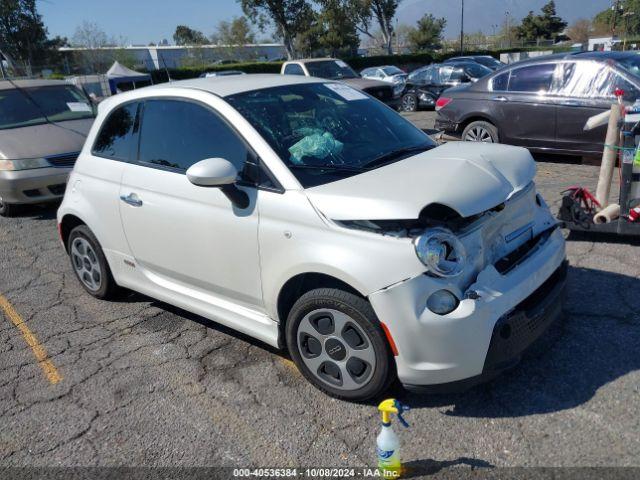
(122, 78)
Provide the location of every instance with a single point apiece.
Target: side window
(587, 80)
(534, 78)
(115, 139)
(630, 91)
(457, 75)
(445, 74)
(500, 82)
(293, 69)
(176, 134)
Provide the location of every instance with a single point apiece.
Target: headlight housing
(441, 252)
(23, 164)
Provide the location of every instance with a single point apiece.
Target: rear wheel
(480, 131)
(8, 209)
(409, 102)
(89, 263)
(335, 339)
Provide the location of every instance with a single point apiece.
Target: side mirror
(218, 172)
(212, 172)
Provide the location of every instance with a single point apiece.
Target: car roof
(308, 60)
(232, 84)
(584, 56)
(8, 85)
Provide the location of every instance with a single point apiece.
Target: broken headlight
(441, 251)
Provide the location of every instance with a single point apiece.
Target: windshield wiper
(395, 155)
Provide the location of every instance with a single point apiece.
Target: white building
(172, 56)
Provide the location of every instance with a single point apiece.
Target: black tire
(409, 102)
(481, 131)
(8, 209)
(362, 319)
(106, 286)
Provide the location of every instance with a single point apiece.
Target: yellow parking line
(49, 369)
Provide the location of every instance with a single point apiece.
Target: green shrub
(408, 62)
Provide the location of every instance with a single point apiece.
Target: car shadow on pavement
(419, 468)
(46, 211)
(594, 344)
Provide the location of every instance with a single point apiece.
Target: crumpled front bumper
(435, 349)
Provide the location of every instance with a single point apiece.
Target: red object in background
(618, 92)
(634, 214)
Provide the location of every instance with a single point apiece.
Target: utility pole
(614, 17)
(462, 29)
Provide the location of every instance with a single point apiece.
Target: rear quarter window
(115, 139)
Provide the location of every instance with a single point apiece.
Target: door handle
(131, 199)
(499, 99)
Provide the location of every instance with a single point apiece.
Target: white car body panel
(188, 246)
(465, 176)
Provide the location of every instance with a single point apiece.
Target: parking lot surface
(136, 382)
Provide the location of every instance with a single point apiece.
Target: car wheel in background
(480, 131)
(409, 102)
(89, 263)
(336, 341)
(7, 209)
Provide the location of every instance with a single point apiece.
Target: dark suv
(425, 84)
(542, 104)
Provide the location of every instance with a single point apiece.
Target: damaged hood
(468, 177)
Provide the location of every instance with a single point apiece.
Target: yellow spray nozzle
(389, 406)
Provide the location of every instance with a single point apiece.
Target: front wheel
(409, 102)
(480, 131)
(89, 263)
(8, 209)
(337, 343)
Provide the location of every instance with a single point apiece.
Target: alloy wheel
(86, 264)
(335, 349)
(479, 134)
(408, 103)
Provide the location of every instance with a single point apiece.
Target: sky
(144, 21)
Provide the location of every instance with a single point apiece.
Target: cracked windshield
(325, 132)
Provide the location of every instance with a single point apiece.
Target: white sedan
(310, 216)
(388, 74)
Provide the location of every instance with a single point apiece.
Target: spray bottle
(387, 443)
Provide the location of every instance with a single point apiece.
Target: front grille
(520, 254)
(64, 160)
(32, 193)
(514, 332)
(57, 189)
(381, 93)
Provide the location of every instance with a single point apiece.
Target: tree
(92, 39)
(337, 31)
(625, 19)
(547, 25)
(290, 18)
(236, 32)
(188, 36)
(580, 30)
(427, 35)
(23, 36)
(366, 12)
(549, 22)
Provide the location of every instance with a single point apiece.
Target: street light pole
(462, 29)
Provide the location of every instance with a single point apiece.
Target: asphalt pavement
(136, 382)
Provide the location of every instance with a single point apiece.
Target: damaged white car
(312, 217)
